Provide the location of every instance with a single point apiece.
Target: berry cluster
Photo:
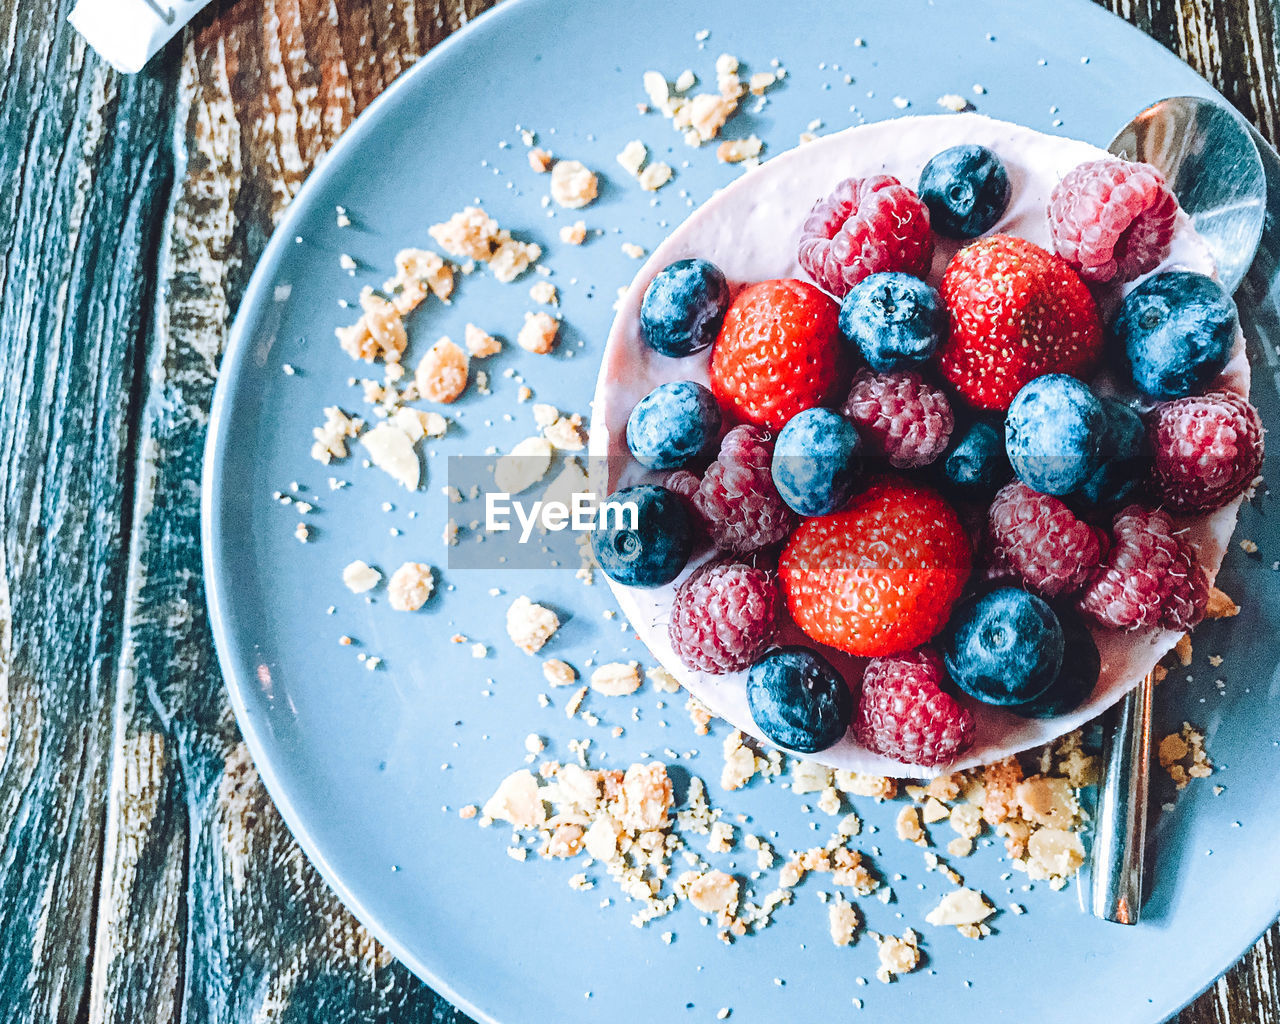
(870, 417)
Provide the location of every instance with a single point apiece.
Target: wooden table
(145, 875)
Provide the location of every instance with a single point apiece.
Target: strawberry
(779, 353)
(1017, 311)
(880, 576)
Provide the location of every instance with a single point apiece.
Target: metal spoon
(1206, 154)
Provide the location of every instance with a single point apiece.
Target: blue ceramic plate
(369, 768)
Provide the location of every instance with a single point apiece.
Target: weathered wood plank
(208, 911)
(84, 175)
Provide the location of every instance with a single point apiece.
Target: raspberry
(1040, 540)
(737, 502)
(1017, 312)
(1149, 578)
(1208, 450)
(864, 226)
(683, 483)
(904, 712)
(779, 353)
(723, 617)
(1112, 219)
(881, 575)
(900, 416)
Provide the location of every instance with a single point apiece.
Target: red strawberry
(1017, 312)
(779, 353)
(880, 576)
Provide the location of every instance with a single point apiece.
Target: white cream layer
(750, 230)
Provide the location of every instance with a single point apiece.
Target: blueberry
(896, 320)
(683, 307)
(798, 699)
(1053, 434)
(1004, 647)
(966, 189)
(1124, 454)
(816, 461)
(975, 465)
(1078, 676)
(1174, 333)
(649, 549)
(673, 424)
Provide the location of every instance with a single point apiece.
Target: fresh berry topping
(1053, 434)
(1208, 450)
(817, 461)
(1016, 312)
(1005, 647)
(1081, 665)
(901, 416)
(1125, 458)
(864, 226)
(1149, 578)
(723, 617)
(966, 189)
(798, 699)
(1040, 539)
(779, 353)
(673, 424)
(975, 464)
(880, 576)
(737, 502)
(648, 550)
(1112, 219)
(683, 307)
(905, 713)
(1174, 333)
(684, 484)
(895, 320)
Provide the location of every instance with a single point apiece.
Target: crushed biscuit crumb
(530, 625)
(573, 186)
(410, 586)
(616, 679)
(538, 334)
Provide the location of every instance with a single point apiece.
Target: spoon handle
(1120, 836)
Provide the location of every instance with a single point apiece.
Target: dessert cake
(922, 415)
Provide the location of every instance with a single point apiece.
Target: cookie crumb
(616, 679)
(574, 234)
(530, 625)
(538, 334)
(410, 586)
(573, 186)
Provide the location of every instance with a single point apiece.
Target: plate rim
(229, 649)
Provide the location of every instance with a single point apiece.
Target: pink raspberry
(684, 483)
(1040, 541)
(1112, 219)
(864, 226)
(1149, 578)
(1208, 450)
(723, 617)
(901, 416)
(904, 712)
(736, 501)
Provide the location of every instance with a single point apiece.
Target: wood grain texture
(84, 177)
(145, 875)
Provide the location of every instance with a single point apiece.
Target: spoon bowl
(1208, 157)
